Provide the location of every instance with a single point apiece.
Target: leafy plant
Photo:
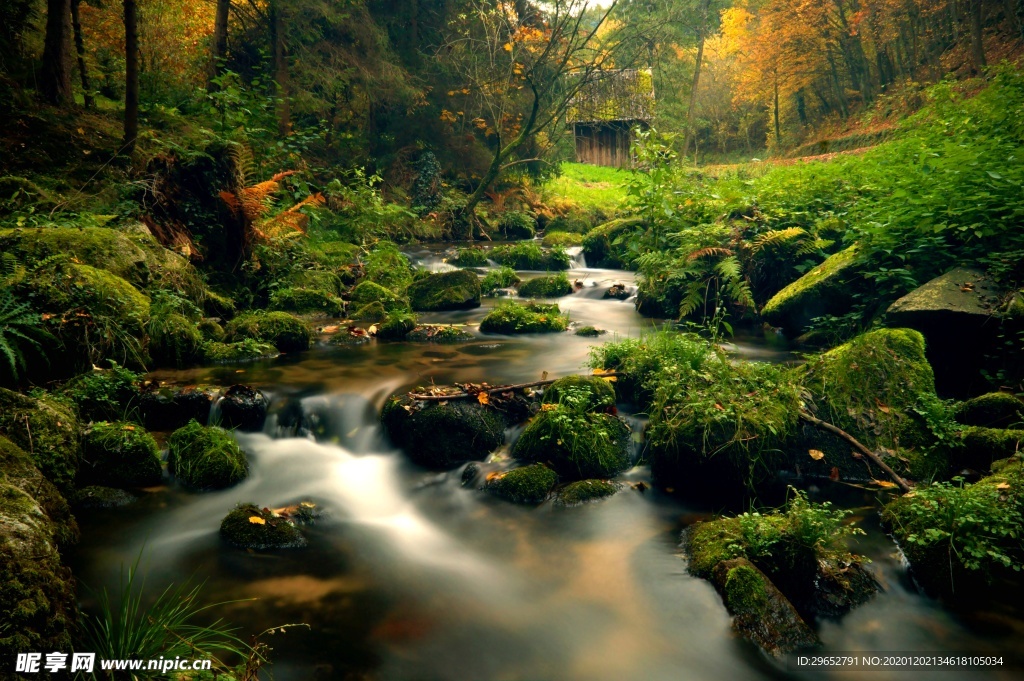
(20, 328)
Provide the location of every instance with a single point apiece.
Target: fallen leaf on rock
(884, 483)
(1003, 485)
(483, 398)
(816, 454)
(256, 520)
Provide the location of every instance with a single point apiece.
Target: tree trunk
(977, 46)
(1013, 19)
(131, 71)
(76, 26)
(284, 113)
(778, 130)
(220, 42)
(688, 134)
(55, 79)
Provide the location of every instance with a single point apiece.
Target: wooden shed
(605, 113)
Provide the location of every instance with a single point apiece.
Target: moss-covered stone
(245, 350)
(174, 340)
(250, 527)
(439, 333)
(456, 290)
(982, 446)
(367, 292)
(387, 266)
(285, 331)
(205, 458)
(516, 225)
(577, 444)
(169, 407)
(599, 247)
(589, 332)
(18, 469)
(45, 428)
(826, 289)
(396, 326)
(442, 435)
(992, 410)
(591, 393)
(327, 281)
(104, 394)
(530, 256)
(525, 485)
(473, 256)
(119, 454)
(211, 330)
(501, 278)
(561, 239)
(573, 223)
(546, 287)
(307, 300)
(96, 497)
(372, 312)
(512, 318)
(100, 247)
(583, 491)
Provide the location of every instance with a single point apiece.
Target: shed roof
(615, 95)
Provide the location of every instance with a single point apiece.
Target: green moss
(530, 256)
(473, 256)
(367, 292)
(442, 435)
(600, 247)
(546, 287)
(983, 446)
(372, 312)
(439, 333)
(387, 266)
(396, 326)
(745, 590)
(992, 410)
(577, 444)
(203, 457)
(211, 330)
(326, 281)
(104, 394)
(457, 290)
(589, 392)
(582, 491)
(503, 277)
(516, 225)
(561, 239)
(250, 527)
(513, 318)
(287, 332)
(590, 332)
(569, 224)
(18, 469)
(96, 497)
(307, 300)
(119, 454)
(526, 485)
(174, 340)
(826, 289)
(45, 428)
(99, 247)
(640, 361)
(240, 351)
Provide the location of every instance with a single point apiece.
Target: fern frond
(709, 251)
(778, 237)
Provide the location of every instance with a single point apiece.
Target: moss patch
(516, 225)
(582, 491)
(442, 435)
(241, 351)
(511, 318)
(396, 326)
(589, 392)
(250, 527)
(561, 239)
(119, 454)
(457, 290)
(826, 289)
(285, 331)
(503, 277)
(174, 340)
(546, 287)
(993, 410)
(100, 247)
(599, 247)
(18, 469)
(983, 446)
(526, 485)
(367, 292)
(530, 256)
(473, 256)
(45, 428)
(203, 457)
(307, 300)
(96, 497)
(577, 444)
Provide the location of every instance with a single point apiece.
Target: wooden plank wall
(603, 144)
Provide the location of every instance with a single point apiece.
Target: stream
(411, 576)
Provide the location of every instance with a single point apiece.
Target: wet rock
(285, 331)
(119, 454)
(244, 408)
(577, 444)
(47, 429)
(761, 613)
(457, 290)
(583, 491)
(826, 289)
(992, 410)
(958, 314)
(204, 458)
(171, 407)
(250, 527)
(590, 332)
(20, 470)
(526, 485)
(439, 333)
(95, 497)
(618, 292)
(442, 435)
(396, 326)
(470, 474)
(983, 446)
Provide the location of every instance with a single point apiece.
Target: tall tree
(55, 79)
(76, 25)
(281, 76)
(975, 9)
(702, 28)
(131, 72)
(219, 43)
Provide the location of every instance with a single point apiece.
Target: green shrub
(511, 317)
(516, 225)
(202, 457)
(591, 392)
(503, 277)
(639, 361)
(473, 256)
(285, 331)
(578, 444)
(104, 394)
(546, 287)
(119, 454)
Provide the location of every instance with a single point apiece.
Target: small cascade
(577, 260)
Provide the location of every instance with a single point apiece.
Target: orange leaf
(816, 454)
(256, 520)
(483, 398)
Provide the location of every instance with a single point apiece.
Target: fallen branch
(491, 391)
(818, 423)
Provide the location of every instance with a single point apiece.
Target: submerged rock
(582, 491)
(456, 290)
(47, 430)
(442, 434)
(244, 408)
(97, 497)
(203, 458)
(250, 527)
(120, 454)
(826, 289)
(526, 485)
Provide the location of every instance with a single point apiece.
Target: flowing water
(410, 575)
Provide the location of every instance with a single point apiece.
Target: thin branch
(818, 423)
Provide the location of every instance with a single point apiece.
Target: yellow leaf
(483, 398)
(1003, 485)
(600, 372)
(816, 454)
(508, 47)
(372, 330)
(256, 520)
(548, 406)
(610, 379)
(884, 483)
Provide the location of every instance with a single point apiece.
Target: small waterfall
(578, 261)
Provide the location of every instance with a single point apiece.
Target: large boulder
(120, 454)
(992, 410)
(456, 290)
(442, 434)
(45, 428)
(958, 313)
(826, 289)
(107, 249)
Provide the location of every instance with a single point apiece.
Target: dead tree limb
(818, 423)
(491, 391)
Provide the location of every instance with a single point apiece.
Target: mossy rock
(396, 326)
(326, 281)
(119, 454)
(576, 444)
(169, 407)
(583, 491)
(589, 332)
(525, 485)
(104, 394)
(245, 350)
(457, 290)
(761, 613)
(516, 225)
(285, 331)
(174, 340)
(501, 278)
(243, 407)
(100, 247)
(554, 286)
(992, 410)
(47, 429)
(826, 289)
(250, 527)
(18, 469)
(983, 446)
(439, 333)
(367, 292)
(388, 267)
(530, 256)
(204, 458)
(211, 330)
(599, 247)
(571, 224)
(442, 435)
(561, 239)
(372, 312)
(95, 497)
(307, 300)
(513, 318)
(473, 256)
(591, 393)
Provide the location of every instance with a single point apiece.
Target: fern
(781, 237)
(19, 326)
